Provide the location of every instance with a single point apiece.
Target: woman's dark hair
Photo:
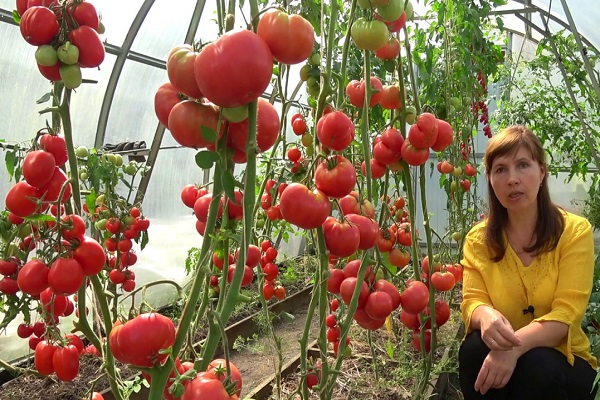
(550, 220)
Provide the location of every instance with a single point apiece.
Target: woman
(528, 271)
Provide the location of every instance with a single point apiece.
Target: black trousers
(542, 373)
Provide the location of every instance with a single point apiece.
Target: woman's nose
(512, 177)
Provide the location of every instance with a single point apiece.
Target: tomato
(279, 30)
(470, 170)
(335, 130)
(377, 169)
(57, 146)
(388, 146)
(411, 321)
(164, 100)
(91, 49)
(189, 195)
(76, 341)
(444, 167)
(267, 128)
(391, 97)
(347, 289)
(442, 281)
(247, 277)
(415, 297)
(390, 50)
(33, 277)
(379, 305)
(38, 167)
(72, 227)
(219, 367)
(38, 25)
(65, 361)
(382, 285)
(341, 238)
(71, 76)
(280, 292)
(8, 286)
(299, 126)
(368, 230)
(235, 209)
(445, 136)
(131, 343)
(268, 291)
(356, 92)
(369, 35)
(335, 176)
(97, 396)
(465, 184)
(54, 304)
(399, 257)
(180, 69)
(392, 10)
(65, 276)
(85, 14)
(456, 270)
(386, 240)
(425, 132)
(403, 234)
(235, 69)
(52, 189)
(252, 255)
(21, 199)
(22, 6)
(396, 25)
(363, 319)
(412, 155)
(8, 267)
(188, 118)
(302, 207)
(442, 313)
(416, 341)
(351, 269)
(51, 73)
(202, 387)
(335, 279)
(44, 353)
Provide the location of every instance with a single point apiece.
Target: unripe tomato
(369, 35)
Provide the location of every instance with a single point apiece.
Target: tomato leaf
(90, 200)
(44, 98)
(145, 240)
(205, 159)
(10, 160)
(208, 134)
(16, 17)
(228, 184)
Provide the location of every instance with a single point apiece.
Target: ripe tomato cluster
(199, 199)
(67, 35)
(480, 109)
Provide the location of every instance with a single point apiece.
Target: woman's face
(516, 178)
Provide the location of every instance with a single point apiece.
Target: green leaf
(208, 134)
(145, 240)
(46, 97)
(10, 160)
(500, 23)
(228, 185)
(205, 159)
(90, 200)
(16, 16)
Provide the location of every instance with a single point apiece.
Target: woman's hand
(496, 331)
(496, 370)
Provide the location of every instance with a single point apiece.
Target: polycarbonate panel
(164, 27)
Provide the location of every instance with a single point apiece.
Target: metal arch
(116, 72)
(160, 128)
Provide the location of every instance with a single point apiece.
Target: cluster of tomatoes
(480, 109)
(60, 357)
(199, 199)
(212, 80)
(388, 16)
(445, 167)
(388, 96)
(66, 34)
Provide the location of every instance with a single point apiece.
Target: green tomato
(411, 115)
(24, 231)
(391, 11)
(101, 28)
(118, 160)
(369, 35)
(314, 59)
(45, 55)
(365, 4)
(111, 158)
(100, 200)
(81, 152)
(313, 90)
(129, 169)
(100, 224)
(235, 114)
(71, 76)
(260, 223)
(68, 53)
(83, 176)
(409, 10)
(305, 72)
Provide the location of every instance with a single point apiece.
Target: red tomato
(299, 126)
(424, 133)
(189, 195)
(267, 128)
(33, 277)
(8, 267)
(271, 271)
(356, 92)
(65, 361)
(280, 292)
(415, 297)
(391, 97)
(75, 341)
(377, 169)
(97, 396)
(456, 270)
(246, 279)
(341, 238)
(335, 279)
(57, 146)
(72, 227)
(202, 387)
(85, 14)
(304, 208)
(235, 69)
(416, 341)
(51, 73)
(335, 130)
(390, 50)
(8, 286)
(44, 352)
(388, 146)
(386, 240)
(164, 100)
(180, 69)
(38, 25)
(335, 176)
(399, 257)
(131, 343)
(442, 313)
(412, 155)
(465, 184)
(219, 367)
(91, 49)
(396, 25)
(21, 199)
(38, 167)
(279, 29)
(470, 170)
(365, 321)
(403, 234)
(445, 136)
(442, 281)
(411, 321)
(381, 285)
(368, 229)
(22, 6)
(52, 189)
(294, 154)
(347, 289)
(188, 118)
(65, 276)
(54, 304)
(379, 305)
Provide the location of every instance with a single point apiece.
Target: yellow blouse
(557, 284)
